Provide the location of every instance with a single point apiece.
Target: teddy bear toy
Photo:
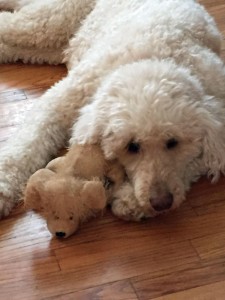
(73, 188)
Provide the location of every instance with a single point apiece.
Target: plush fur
(73, 188)
(151, 83)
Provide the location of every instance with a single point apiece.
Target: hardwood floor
(178, 256)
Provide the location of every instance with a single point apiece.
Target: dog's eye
(171, 143)
(133, 147)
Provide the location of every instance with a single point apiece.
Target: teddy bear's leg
(43, 24)
(10, 54)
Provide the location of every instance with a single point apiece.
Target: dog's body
(152, 80)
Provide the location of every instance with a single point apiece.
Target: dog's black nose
(60, 234)
(162, 203)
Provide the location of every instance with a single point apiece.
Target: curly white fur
(143, 71)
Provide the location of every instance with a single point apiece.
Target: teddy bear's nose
(60, 234)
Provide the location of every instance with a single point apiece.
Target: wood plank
(6, 132)
(29, 76)
(89, 270)
(19, 290)
(214, 291)
(149, 287)
(35, 93)
(210, 248)
(12, 114)
(15, 95)
(122, 259)
(121, 290)
(211, 3)
(207, 202)
(217, 12)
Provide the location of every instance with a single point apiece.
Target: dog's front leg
(46, 130)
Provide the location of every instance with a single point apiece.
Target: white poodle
(149, 80)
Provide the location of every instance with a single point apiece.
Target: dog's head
(156, 119)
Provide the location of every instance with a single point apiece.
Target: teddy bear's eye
(71, 218)
(108, 183)
(56, 217)
(133, 147)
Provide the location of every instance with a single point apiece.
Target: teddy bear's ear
(35, 185)
(93, 195)
(56, 163)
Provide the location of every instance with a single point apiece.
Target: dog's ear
(56, 163)
(93, 195)
(96, 125)
(214, 145)
(115, 141)
(33, 192)
(93, 130)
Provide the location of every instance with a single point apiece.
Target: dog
(145, 81)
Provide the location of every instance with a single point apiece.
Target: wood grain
(209, 292)
(116, 291)
(176, 256)
(150, 286)
(29, 76)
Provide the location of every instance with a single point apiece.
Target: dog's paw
(6, 206)
(125, 205)
(122, 210)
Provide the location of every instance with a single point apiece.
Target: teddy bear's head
(65, 200)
